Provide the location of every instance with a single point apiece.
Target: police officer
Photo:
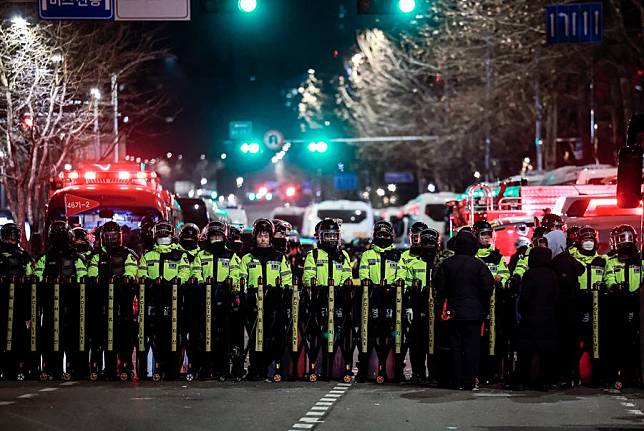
(280, 240)
(538, 239)
(167, 260)
(60, 259)
(379, 267)
(215, 260)
(591, 279)
(14, 261)
(571, 238)
(219, 264)
(492, 257)
(112, 259)
(622, 278)
(146, 240)
(327, 261)
(420, 270)
(234, 240)
(189, 240)
(295, 256)
(414, 243)
(80, 240)
(265, 262)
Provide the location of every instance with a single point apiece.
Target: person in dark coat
(464, 285)
(568, 270)
(537, 327)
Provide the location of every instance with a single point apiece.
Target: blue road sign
(574, 23)
(399, 177)
(346, 181)
(76, 9)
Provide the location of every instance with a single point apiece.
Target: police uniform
(322, 267)
(60, 263)
(165, 261)
(14, 261)
(119, 262)
(225, 265)
(273, 266)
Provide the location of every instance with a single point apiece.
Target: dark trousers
(465, 342)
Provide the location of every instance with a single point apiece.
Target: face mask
(189, 244)
(588, 245)
(216, 246)
(279, 243)
(382, 242)
(164, 241)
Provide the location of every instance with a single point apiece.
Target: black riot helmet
(538, 237)
(163, 233)
(383, 234)
(587, 240)
(234, 239)
(59, 235)
(80, 238)
(329, 235)
(572, 234)
(430, 239)
(414, 233)
(482, 227)
(280, 239)
(317, 230)
(10, 233)
(623, 238)
(263, 225)
(552, 222)
(111, 235)
(189, 236)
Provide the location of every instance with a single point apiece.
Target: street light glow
(406, 6)
(19, 21)
(431, 188)
(253, 148)
(95, 93)
(290, 191)
(239, 181)
(204, 181)
(391, 187)
(247, 5)
(380, 192)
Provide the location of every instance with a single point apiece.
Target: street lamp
(19, 21)
(96, 95)
(380, 192)
(406, 6)
(391, 187)
(247, 5)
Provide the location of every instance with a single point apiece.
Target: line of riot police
(201, 304)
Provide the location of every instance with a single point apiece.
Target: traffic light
(318, 147)
(229, 6)
(385, 7)
(249, 148)
(247, 6)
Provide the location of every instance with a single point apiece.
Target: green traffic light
(318, 147)
(247, 6)
(250, 148)
(406, 6)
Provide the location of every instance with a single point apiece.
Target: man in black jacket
(464, 285)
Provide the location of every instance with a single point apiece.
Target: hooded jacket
(556, 242)
(464, 281)
(537, 301)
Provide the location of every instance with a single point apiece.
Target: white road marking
(6, 403)
(635, 412)
(48, 390)
(68, 384)
(492, 394)
(321, 408)
(27, 396)
(628, 404)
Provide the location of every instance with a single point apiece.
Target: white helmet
(522, 241)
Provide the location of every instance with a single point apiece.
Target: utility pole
(538, 142)
(115, 106)
(488, 90)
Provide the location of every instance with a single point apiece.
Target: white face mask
(588, 245)
(164, 241)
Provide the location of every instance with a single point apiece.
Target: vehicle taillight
(73, 175)
(124, 175)
(89, 175)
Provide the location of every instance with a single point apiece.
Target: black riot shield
(15, 326)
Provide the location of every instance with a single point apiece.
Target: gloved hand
(514, 282)
(409, 313)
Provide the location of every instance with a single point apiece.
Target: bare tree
(47, 71)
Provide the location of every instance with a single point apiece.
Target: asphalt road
(303, 406)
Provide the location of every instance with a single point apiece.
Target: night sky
(238, 67)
